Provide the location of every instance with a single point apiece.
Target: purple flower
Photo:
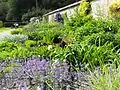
(37, 72)
(25, 86)
(36, 66)
(61, 72)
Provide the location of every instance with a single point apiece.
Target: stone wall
(99, 9)
(69, 10)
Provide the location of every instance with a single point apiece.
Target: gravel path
(5, 34)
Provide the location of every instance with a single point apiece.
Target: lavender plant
(42, 73)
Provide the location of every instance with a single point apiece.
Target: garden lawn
(5, 33)
(4, 29)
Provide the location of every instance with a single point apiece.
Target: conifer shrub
(85, 8)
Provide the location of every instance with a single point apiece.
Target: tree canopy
(25, 9)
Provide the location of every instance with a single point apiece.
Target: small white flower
(49, 47)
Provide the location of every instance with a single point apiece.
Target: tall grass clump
(106, 78)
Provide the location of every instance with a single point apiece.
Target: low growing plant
(30, 43)
(17, 31)
(16, 38)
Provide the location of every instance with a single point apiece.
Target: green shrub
(96, 26)
(100, 39)
(17, 31)
(7, 46)
(10, 50)
(77, 21)
(35, 35)
(110, 26)
(117, 42)
(53, 36)
(97, 38)
(30, 43)
(95, 56)
(16, 38)
(41, 51)
(85, 8)
(46, 33)
(20, 52)
(97, 30)
(114, 9)
(81, 16)
(1, 24)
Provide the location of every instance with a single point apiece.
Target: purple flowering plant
(43, 74)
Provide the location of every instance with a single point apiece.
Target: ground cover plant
(78, 54)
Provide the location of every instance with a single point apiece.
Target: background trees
(3, 9)
(25, 9)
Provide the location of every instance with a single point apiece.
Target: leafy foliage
(114, 9)
(16, 38)
(30, 43)
(17, 31)
(85, 8)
